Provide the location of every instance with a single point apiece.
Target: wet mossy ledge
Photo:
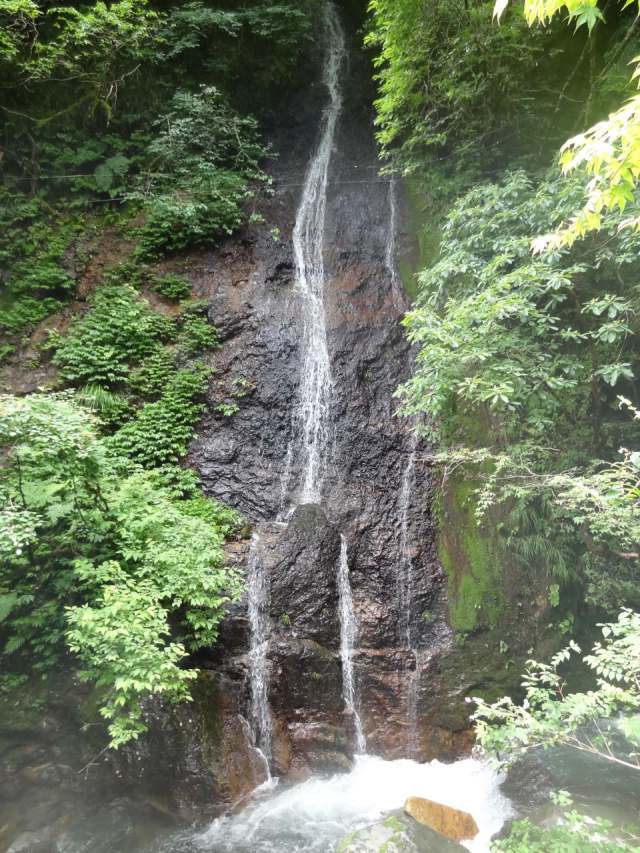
(499, 609)
(469, 556)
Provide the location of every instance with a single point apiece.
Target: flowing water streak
(308, 245)
(405, 598)
(259, 624)
(397, 290)
(348, 631)
(405, 570)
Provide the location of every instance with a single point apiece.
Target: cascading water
(315, 815)
(405, 567)
(405, 596)
(397, 290)
(259, 623)
(348, 630)
(312, 415)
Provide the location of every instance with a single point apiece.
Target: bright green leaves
(609, 152)
(129, 564)
(204, 160)
(169, 563)
(119, 329)
(494, 337)
(580, 12)
(122, 640)
(550, 715)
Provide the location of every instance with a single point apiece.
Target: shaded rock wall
(243, 459)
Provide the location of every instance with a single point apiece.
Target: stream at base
(314, 816)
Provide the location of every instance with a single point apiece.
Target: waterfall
(397, 290)
(405, 596)
(348, 630)
(405, 568)
(259, 624)
(312, 414)
(260, 756)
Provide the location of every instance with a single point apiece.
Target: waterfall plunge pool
(314, 816)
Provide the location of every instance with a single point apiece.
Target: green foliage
(112, 408)
(574, 834)
(550, 715)
(150, 378)
(204, 159)
(609, 152)
(161, 430)
(449, 79)
(195, 334)
(183, 483)
(537, 349)
(172, 287)
(119, 329)
(33, 243)
(125, 566)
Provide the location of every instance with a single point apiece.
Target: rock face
(452, 823)
(397, 833)
(377, 492)
(252, 461)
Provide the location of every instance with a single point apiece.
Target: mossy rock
(472, 561)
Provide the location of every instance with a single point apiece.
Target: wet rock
(528, 784)
(452, 823)
(302, 564)
(34, 842)
(318, 747)
(307, 677)
(397, 833)
(253, 460)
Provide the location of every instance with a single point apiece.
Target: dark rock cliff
(243, 461)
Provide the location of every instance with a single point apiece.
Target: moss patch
(423, 223)
(470, 559)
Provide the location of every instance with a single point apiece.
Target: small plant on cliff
(172, 287)
(119, 330)
(161, 430)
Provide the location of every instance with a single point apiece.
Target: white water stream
(404, 586)
(314, 816)
(397, 289)
(312, 415)
(348, 632)
(259, 624)
(405, 567)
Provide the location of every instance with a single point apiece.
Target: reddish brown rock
(452, 823)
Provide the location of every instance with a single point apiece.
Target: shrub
(120, 328)
(161, 431)
(205, 158)
(103, 555)
(172, 287)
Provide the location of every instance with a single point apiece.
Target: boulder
(397, 833)
(452, 823)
